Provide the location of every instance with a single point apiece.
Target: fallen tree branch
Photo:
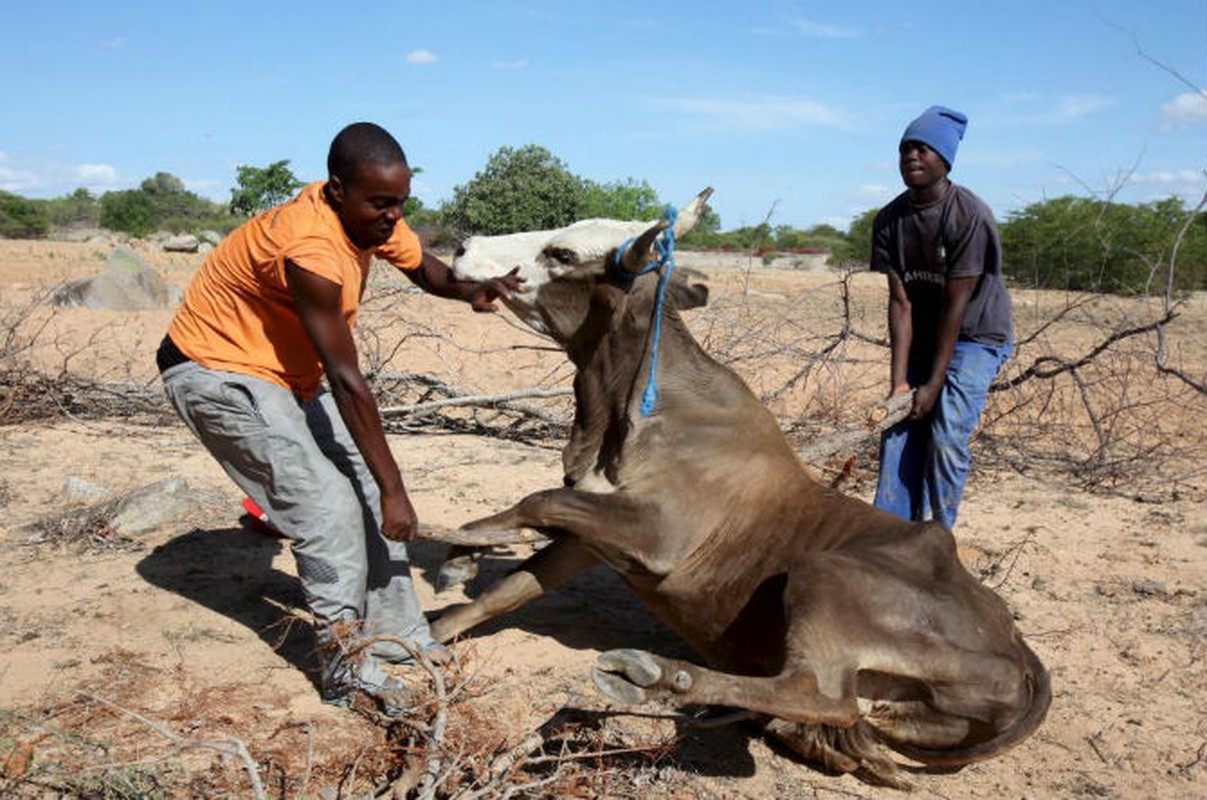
(1051, 366)
(231, 747)
(505, 400)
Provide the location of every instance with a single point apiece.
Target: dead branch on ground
(232, 747)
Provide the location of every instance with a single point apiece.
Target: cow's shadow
(592, 611)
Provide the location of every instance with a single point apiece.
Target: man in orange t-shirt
(266, 317)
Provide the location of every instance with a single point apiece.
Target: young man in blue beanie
(950, 322)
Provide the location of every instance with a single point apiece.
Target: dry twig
(233, 746)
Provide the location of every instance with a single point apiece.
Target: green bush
(21, 218)
(1083, 244)
(131, 211)
(629, 199)
(77, 208)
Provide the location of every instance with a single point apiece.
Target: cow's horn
(690, 214)
(640, 252)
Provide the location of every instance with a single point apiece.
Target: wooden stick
(493, 538)
(881, 417)
(481, 400)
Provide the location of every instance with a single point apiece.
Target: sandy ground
(192, 625)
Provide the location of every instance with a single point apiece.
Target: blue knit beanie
(939, 128)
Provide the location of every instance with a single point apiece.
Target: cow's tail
(1024, 726)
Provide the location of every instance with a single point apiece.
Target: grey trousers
(298, 462)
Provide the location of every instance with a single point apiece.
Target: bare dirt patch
(195, 627)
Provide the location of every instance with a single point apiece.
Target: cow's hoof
(624, 675)
(458, 570)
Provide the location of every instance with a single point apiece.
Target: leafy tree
(164, 183)
(753, 237)
(21, 218)
(526, 188)
(261, 189)
(856, 247)
(77, 208)
(175, 208)
(710, 221)
(629, 199)
(1083, 244)
(824, 231)
(131, 211)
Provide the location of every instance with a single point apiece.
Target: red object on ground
(259, 520)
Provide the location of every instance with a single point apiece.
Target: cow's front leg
(617, 528)
(547, 569)
(635, 676)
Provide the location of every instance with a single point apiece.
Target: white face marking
(543, 257)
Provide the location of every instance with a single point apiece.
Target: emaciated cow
(851, 630)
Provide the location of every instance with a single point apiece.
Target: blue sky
(790, 109)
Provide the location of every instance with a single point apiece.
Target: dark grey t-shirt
(953, 236)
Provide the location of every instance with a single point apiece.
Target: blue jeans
(924, 464)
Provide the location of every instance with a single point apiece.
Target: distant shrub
(79, 208)
(21, 218)
(222, 222)
(131, 211)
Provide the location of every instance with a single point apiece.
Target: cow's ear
(689, 295)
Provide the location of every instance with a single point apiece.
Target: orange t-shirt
(238, 314)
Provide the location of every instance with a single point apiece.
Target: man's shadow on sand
(230, 571)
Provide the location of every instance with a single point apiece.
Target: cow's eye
(561, 255)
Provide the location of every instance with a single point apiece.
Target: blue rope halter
(665, 247)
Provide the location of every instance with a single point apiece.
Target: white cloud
(840, 223)
(13, 179)
(421, 57)
(96, 174)
(1032, 109)
(757, 113)
(114, 43)
(993, 157)
(50, 179)
(207, 187)
(823, 30)
(1076, 106)
(1185, 109)
(872, 194)
(1178, 177)
(519, 63)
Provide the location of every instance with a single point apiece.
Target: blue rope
(665, 244)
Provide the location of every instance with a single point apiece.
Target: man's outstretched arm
(436, 277)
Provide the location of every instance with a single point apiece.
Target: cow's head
(562, 267)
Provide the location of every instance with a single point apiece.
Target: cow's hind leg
(823, 730)
(635, 676)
